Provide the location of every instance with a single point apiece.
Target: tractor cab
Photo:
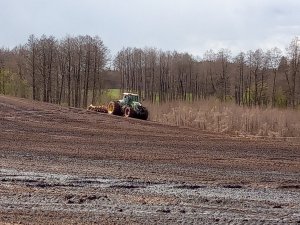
(129, 98)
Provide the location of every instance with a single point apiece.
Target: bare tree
(240, 83)
(274, 55)
(32, 63)
(224, 56)
(294, 61)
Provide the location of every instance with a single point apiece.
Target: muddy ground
(62, 165)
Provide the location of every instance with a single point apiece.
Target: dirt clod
(164, 210)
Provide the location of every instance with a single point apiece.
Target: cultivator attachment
(101, 108)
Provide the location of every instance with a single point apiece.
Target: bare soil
(61, 165)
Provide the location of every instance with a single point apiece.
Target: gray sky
(183, 25)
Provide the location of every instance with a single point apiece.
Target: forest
(73, 70)
(66, 71)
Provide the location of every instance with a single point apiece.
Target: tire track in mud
(60, 192)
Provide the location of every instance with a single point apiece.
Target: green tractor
(129, 106)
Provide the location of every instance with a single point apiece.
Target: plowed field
(61, 165)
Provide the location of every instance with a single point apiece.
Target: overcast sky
(183, 25)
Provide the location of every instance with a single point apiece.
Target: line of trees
(255, 78)
(57, 71)
(71, 71)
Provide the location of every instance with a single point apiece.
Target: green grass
(110, 95)
(113, 93)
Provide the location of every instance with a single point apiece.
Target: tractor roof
(130, 94)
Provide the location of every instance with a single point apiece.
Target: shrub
(213, 115)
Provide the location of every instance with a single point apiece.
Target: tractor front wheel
(128, 112)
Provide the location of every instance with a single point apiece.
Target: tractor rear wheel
(114, 108)
(144, 116)
(129, 112)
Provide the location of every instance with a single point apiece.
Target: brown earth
(62, 165)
